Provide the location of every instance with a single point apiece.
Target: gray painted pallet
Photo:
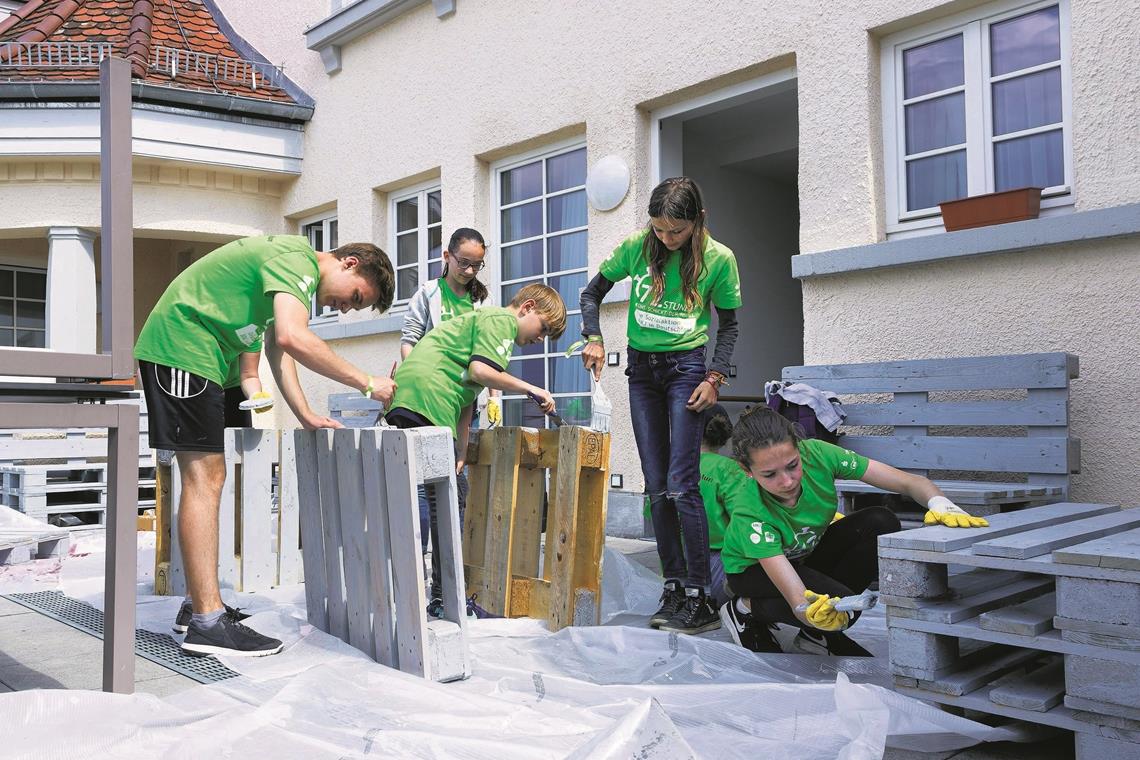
(1033, 543)
(952, 611)
(1120, 551)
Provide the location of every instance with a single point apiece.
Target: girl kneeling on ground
(782, 548)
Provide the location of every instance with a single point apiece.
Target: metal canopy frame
(115, 362)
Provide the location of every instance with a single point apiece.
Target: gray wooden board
(954, 610)
(1060, 716)
(330, 524)
(1052, 411)
(959, 586)
(407, 561)
(1032, 543)
(176, 581)
(258, 455)
(1104, 629)
(289, 569)
(1043, 564)
(1050, 641)
(1119, 551)
(1104, 708)
(1100, 640)
(350, 486)
(1029, 618)
(969, 493)
(311, 528)
(986, 666)
(939, 538)
(975, 453)
(1044, 370)
(379, 540)
(1038, 690)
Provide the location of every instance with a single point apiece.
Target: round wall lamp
(607, 182)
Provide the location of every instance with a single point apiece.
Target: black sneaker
(746, 631)
(834, 643)
(186, 614)
(697, 616)
(435, 608)
(672, 600)
(228, 637)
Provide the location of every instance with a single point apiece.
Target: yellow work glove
(838, 517)
(259, 409)
(494, 412)
(942, 511)
(821, 612)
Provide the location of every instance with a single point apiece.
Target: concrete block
(1112, 602)
(435, 452)
(1109, 681)
(1128, 717)
(1030, 618)
(915, 649)
(585, 607)
(1039, 690)
(904, 578)
(448, 658)
(624, 514)
(1092, 747)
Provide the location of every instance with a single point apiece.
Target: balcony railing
(53, 55)
(252, 74)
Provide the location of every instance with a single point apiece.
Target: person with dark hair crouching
(786, 557)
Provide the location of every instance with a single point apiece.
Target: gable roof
(174, 46)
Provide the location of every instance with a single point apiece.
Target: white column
(72, 293)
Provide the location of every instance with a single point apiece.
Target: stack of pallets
(43, 490)
(1041, 621)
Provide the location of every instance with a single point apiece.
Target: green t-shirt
(669, 325)
(451, 305)
(762, 527)
(433, 380)
(719, 476)
(222, 304)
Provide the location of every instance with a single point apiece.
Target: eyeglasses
(464, 264)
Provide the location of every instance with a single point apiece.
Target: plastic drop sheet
(611, 691)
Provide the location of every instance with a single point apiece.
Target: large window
(418, 239)
(977, 105)
(541, 216)
(322, 235)
(23, 307)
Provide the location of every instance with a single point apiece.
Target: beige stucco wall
(422, 96)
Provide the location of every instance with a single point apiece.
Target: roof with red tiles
(189, 38)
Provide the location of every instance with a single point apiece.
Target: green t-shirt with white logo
(451, 305)
(221, 305)
(433, 380)
(669, 325)
(719, 476)
(762, 527)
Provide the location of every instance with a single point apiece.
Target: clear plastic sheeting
(609, 691)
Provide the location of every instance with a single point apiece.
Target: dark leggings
(844, 562)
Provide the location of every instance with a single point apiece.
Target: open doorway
(741, 146)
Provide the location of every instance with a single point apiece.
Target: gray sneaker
(228, 637)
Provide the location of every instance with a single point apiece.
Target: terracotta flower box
(992, 208)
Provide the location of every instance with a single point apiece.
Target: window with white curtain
(977, 104)
(542, 234)
(417, 233)
(23, 307)
(322, 235)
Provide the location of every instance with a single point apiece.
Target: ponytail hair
(718, 427)
(476, 288)
(761, 428)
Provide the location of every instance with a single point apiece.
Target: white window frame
(326, 220)
(974, 27)
(16, 299)
(495, 281)
(420, 192)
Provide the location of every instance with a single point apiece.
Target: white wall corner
(72, 295)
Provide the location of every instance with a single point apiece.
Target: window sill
(1013, 237)
(357, 19)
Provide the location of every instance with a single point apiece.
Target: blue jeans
(669, 443)
(719, 594)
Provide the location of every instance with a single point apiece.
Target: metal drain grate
(157, 647)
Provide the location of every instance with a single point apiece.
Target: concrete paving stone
(905, 578)
(8, 607)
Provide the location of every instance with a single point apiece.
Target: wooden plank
(1091, 626)
(1030, 618)
(530, 597)
(354, 556)
(401, 480)
(1045, 370)
(526, 530)
(435, 450)
(1102, 708)
(983, 666)
(1033, 543)
(1059, 717)
(960, 413)
(497, 555)
(939, 538)
(912, 430)
(378, 539)
(162, 535)
(1039, 690)
(959, 586)
(475, 517)
(968, 489)
(311, 527)
(259, 449)
(1120, 551)
(330, 525)
(289, 567)
(176, 578)
(590, 528)
(968, 607)
(229, 514)
(976, 453)
(1041, 565)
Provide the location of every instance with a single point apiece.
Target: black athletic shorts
(186, 411)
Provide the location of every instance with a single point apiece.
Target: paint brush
(554, 416)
